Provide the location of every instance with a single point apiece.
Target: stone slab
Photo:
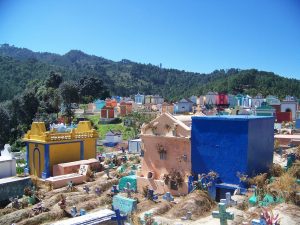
(73, 167)
(125, 205)
(98, 217)
(13, 187)
(62, 181)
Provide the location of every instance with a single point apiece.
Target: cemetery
(183, 169)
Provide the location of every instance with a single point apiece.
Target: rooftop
(235, 117)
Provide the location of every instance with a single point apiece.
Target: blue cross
(168, 197)
(118, 217)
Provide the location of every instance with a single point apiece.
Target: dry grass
(198, 202)
(276, 170)
(260, 180)
(163, 208)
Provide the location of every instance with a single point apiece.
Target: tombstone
(151, 196)
(118, 217)
(98, 191)
(86, 189)
(83, 169)
(188, 216)
(74, 211)
(168, 197)
(222, 214)
(125, 205)
(228, 201)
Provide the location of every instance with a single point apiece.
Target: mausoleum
(48, 148)
(231, 144)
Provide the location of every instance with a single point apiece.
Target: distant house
(257, 101)
(166, 107)
(107, 112)
(193, 99)
(99, 104)
(222, 100)
(112, 138)
(139, 99)
(211, 98)
(289, 104)
(184, 106)
(265, 110)
(117, 98)
(153, 99)
(134, 146)
(111, 103)
(125, 108)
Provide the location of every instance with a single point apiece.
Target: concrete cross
(74, 211)
(87, 189)
(222, 214)
(114, 189)
(151, 196)
(128, 189)
(168, 197)
(98, 191)
(118, 217)
(228, 201)
(188, 216)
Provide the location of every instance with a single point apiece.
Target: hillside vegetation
(21, 67)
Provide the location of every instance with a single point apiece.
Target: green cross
(222, 214)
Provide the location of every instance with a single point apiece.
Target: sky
(198, 36)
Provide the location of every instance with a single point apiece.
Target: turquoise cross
(222, 214)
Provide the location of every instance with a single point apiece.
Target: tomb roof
(235, 117)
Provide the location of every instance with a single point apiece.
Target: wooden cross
(222, 214)
(118, 217)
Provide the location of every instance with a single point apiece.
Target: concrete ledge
(62, 181)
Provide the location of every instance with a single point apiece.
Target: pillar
(46, 172)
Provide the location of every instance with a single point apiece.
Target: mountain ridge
(127, 78)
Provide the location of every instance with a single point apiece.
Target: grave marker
(118, 217)
(86, 189)
(222, 214)
(83, 169)
(168, 197)
(74, 211)
(188, 216)
(98, 191)
(228, 201)
(125, 205)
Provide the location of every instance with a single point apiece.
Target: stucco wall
(7, 168)
(175, 147)
(231, 144)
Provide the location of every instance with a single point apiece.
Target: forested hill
(19, 66)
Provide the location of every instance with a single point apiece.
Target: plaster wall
(7, 168)
(176, 148)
